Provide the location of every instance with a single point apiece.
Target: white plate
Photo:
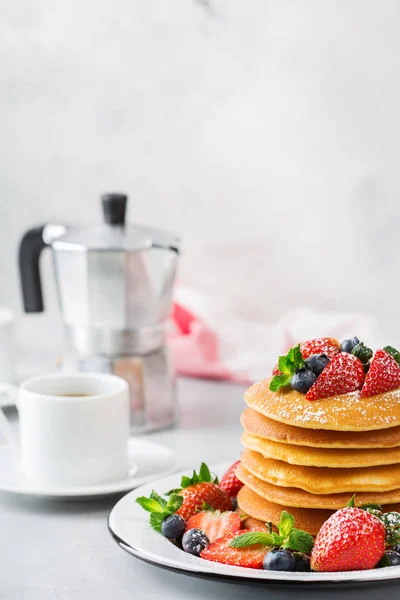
(147, 459)
(128, 523)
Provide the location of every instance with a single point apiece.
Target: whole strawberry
(200, 491)
(351, 539)
(383, 375)
(344, 373)
(230, 483)
(324, 345)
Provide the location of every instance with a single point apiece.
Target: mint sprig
(288, 537)
(287, 365)
(160, 508)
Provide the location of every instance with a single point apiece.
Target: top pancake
(347, 412)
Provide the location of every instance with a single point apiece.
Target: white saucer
(148, 461)
(129, 525)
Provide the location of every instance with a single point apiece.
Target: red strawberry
(383, 375)
(351, 539)
(324, 345)
(194, 496)
(220, 551)
(215, 524)
(230, 483)
(276, 371)
(345, 373)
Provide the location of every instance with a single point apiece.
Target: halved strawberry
(201, 489)
(220, 551)
(323, 345)
(383, 375)
(215, 524)
(230, 483)
(344, 373)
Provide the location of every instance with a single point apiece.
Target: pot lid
(115, 234)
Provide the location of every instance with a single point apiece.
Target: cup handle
(5, 427)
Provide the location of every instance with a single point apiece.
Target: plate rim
(204, 569)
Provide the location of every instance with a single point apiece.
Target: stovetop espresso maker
(115, 285)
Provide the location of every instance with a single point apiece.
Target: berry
(173, 527)
(302, 380)
(325, 345)
(348, 345)
(302, 562)
(194, 541)
(275, 370)
(344, 373)
(215, 524)
(234, 503)
(383, 375)
(351, 539)
(279, 560)
(220, 551)
(316, 363)
(229, 482)
(396, 548)
(394, 557)
(194, 496)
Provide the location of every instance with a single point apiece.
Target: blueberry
(302, 380)
(396, 548)
(194, 541)
(316, 363)
(348, 345)
(279, 560)
(234, 503)
(173, 527)
(302, 562)
(394, 557)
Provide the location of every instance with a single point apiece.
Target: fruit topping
(302, 380)
(159, 508)
(287, 366)
(324, 345)
(344, 373)
(393, 557)
(214, 523)
(173, 527)
(302, 562)
(348, 345)
(229, 482)
(351, 539)
(221, 551)
(316, 363)
(383, 374)
(201, 489)
(279, 560)
(194, 541)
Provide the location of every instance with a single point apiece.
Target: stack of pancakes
(309, 458)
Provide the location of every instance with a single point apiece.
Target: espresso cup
(74, 429)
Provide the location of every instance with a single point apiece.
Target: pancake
(295, 497)
(347, 412)
(263, 427)
(322, 480)
(332, 458)
(262, 511)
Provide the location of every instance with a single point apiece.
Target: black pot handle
(30, 248)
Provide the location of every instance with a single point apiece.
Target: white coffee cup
(74, 429)
(7, 375)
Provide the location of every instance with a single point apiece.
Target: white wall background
(266, 132)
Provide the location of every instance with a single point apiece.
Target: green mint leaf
(376, 507)
(150, 504)
(277, 540)
(362, 352)
(186, 481)
(174, 503)
(286, 523)
(351, 503)
(300, 541)
(156, 519)
(204, 473)
(175, 491)
(393, 352)
(295, 357)
(279, 381)
(250, 539)
(284, 366)
(157, 498)
(384, 562)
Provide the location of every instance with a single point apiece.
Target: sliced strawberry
(230, 483)
(383, 375)
(323, 345)
(215, 524)
(344, 373)
(220, 551)
(195, 496)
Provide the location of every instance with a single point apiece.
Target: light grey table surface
(53, 550)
